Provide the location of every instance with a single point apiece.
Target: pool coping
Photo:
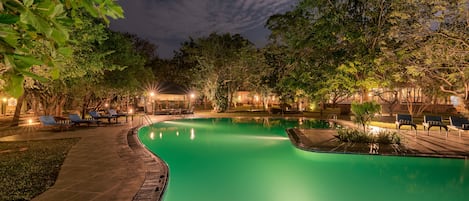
(154, 184)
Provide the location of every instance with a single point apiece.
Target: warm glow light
(106, 105)
(30, 121)
(239, 98)
(5, 100)
(256, 98)
(375, 130)
(131, 111)
(192, 95)
(152, 94)
(192, 134)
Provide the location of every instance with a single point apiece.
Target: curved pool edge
(157, 173)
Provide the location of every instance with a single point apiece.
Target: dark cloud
(167, 23)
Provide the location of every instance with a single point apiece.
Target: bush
(387, 137)
(357, 136)
(353, 135)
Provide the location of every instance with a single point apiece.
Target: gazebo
(168, 97)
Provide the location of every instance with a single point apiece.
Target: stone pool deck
(109, 164)
(420, 143)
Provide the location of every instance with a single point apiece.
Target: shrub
(387, 137)
(354, 135)
(357, 136)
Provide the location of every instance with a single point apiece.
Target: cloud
(176, 20)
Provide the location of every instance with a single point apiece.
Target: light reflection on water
(243, 160)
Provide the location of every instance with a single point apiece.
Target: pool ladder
(146, 119)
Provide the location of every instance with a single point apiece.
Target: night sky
(168, 23)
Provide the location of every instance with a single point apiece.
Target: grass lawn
(31, 167)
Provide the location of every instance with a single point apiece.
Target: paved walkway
(106, 164)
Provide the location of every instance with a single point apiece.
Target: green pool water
(253, 160)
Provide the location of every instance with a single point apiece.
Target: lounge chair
(95, 115)
(49, 121)
(113, 113)
(77, 120)
(459, 124)
(188, 111)
(430, 121)
(405, 120)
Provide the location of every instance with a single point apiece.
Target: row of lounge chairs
(76, 120)
(456, 123)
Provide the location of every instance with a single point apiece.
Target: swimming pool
(253, 160)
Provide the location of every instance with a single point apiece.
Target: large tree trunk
(16, 117)
(60, 106)
(35, 105)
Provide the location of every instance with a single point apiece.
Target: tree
(222, 64)
(131, 67)
(332, 42)
(365, 112)
(430, 40)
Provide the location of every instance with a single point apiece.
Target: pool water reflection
(253, 160)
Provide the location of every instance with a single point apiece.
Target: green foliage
(26, 26)
(331, 46)
(220, 65)
(221, 98)
(365, 112)
(353, 135)
(427, 45)
(387, 137)
(29, 168)
(356, 136)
